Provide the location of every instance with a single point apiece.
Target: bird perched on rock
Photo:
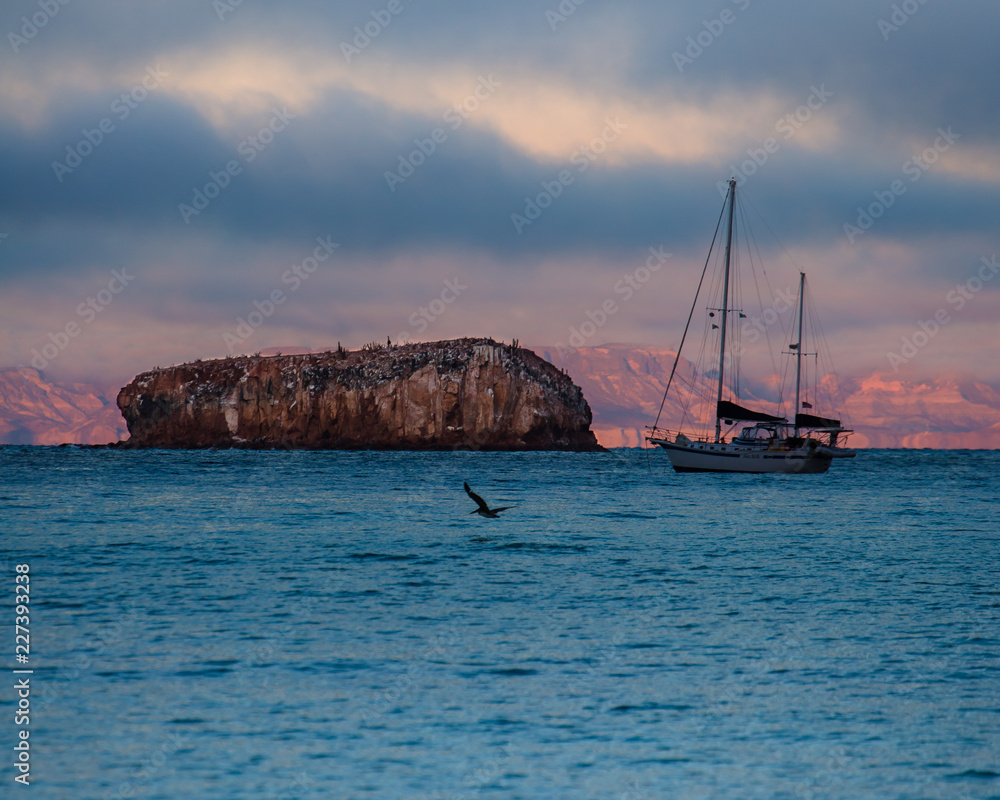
(483, 510)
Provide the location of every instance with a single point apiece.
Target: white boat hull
(799, 443)
(708, 457)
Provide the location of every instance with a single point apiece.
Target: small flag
(793, 347)
(714, 326)
(806, 405)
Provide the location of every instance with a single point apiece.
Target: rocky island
(459, 394)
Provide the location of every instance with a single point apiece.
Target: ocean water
(337, 625)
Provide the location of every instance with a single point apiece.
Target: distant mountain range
(34, 410)
(623, 384)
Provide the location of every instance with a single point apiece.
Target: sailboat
(806, 443)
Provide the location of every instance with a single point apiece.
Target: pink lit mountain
(36, 411)
(623, 384)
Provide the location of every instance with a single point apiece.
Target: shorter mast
(798, 351)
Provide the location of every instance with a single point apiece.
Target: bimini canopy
(728, 410)
(812, 421)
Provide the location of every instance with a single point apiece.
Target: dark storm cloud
(324, 174)
(937, 67)
(327, 172)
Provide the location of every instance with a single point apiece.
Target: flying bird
(483, 510)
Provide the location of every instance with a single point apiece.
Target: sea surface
(232, 624)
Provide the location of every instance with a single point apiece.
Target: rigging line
(786, 332)
(780, 243)
(751, 238)
(812, 387)
(785, 379)
(700, 389)
(823, 347)
(677, 359)
(764, 326)
(767, 281)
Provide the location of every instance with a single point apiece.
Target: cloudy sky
(426, 170)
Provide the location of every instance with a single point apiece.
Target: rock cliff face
(467, 393)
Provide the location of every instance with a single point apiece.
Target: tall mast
(798, 351)
(725, 308)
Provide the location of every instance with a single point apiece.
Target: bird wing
(502, 508)
(479, 501)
